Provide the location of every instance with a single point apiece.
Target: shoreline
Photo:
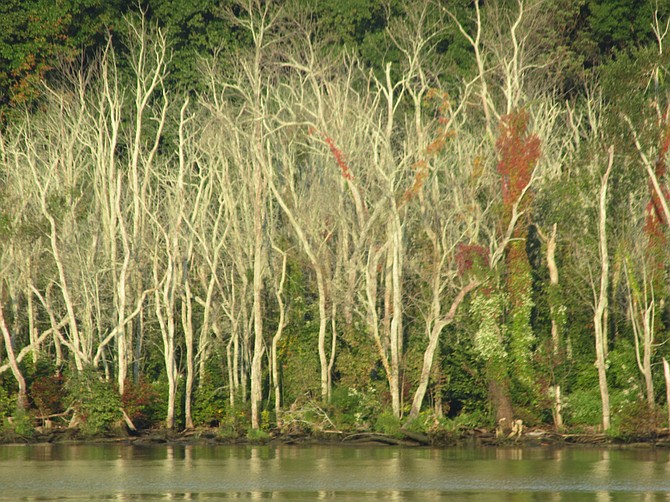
(405, 439)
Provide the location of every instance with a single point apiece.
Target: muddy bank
(472, 437)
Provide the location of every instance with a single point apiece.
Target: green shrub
(421, 424)
(235, 423)
(464, 421)
(17, 427)
(300, 365)
(23, 423)
(6, 403)
(622, 371)
(95, 401)
(636, 421)
(583, 407)
(472, 419)
(354, 409)
(355, 362)
(345, 406)
(387, 423)
(266, 420)
(209, 404)
(257, 436)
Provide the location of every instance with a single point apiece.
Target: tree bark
(499, 396)
(553, 312)
(21, 400)
(600, 327)
(256, 360)
(666, 374)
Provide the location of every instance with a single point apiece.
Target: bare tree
(21, 400)
(642, 311)
(247, 86)
(601, 294)
(279, 283)
(557, 314)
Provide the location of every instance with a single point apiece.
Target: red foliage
(655, 218)
(337, 153)
(47, 394)
(469, 256)
(518, 153)
(138, 399)
(435, 147)
(421, 170)
(339, 158)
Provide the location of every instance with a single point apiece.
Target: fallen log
(419, 437)
(372, 437)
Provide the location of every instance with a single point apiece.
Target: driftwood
(419, 437)
(74, 419)
(374, 437)
(55, 415)
(585, 438)
(127, 420)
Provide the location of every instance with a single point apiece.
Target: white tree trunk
(281, 324)
(257, 354)
(438, 324)
(22, 401)
(599, 319)
(666, 374)
(187, 325)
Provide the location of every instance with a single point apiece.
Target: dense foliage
(330, 215)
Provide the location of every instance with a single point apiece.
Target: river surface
(196, 472)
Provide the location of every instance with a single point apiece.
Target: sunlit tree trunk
(21, 400)
(281, 324)
(556, 313)
(439, 321)
(258, 287)
(187, 326)
(600, 328)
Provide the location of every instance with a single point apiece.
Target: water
(123, 472)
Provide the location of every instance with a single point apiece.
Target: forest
(322, 215)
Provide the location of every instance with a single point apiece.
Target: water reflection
(190, 472)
